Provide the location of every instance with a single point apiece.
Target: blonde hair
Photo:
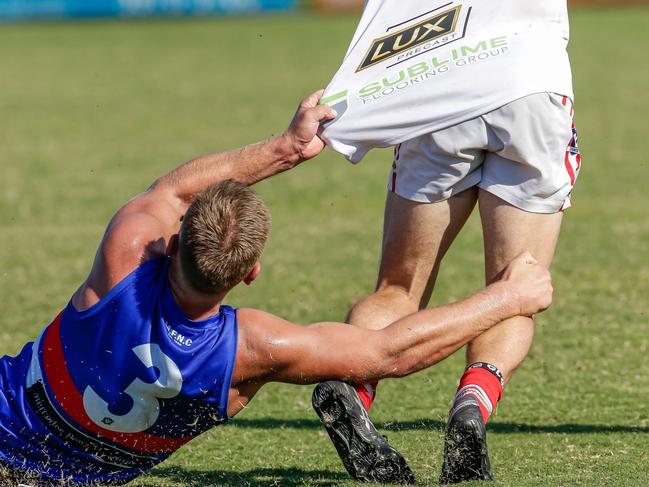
(222, 236)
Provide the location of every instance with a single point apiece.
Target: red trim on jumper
(71, 401)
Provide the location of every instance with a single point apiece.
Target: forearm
(248, 165)
(427, 337)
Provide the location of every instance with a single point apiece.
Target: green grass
(91, 113)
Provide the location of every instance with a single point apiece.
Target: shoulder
(263, 340)
(257, 327)
(134, 235)
(132, 238)
(140, 230)
(262, 327)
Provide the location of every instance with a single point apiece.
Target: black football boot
(465, 447)
(366, 454)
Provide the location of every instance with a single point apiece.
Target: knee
(398, 295)
(381, 308)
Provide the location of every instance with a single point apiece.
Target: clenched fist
(531, 282)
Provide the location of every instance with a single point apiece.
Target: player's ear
(256, 269)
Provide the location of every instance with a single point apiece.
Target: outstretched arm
(144, 226)
(255, 162)
(169, 197)
(272, 349)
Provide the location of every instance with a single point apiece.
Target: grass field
(91, 113)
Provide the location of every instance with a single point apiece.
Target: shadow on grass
(255, 477)
(431, 424)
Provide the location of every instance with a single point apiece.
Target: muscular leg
(415, 238)
(508, 231)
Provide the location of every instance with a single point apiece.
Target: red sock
(367, 393)
(482, 383)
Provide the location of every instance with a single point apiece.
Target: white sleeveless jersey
(415, 67)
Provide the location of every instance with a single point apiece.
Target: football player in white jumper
(476, 97)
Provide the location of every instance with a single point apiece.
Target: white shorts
(525, 152)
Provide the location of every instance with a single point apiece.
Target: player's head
(222, 236)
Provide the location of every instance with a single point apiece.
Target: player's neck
(194, 305)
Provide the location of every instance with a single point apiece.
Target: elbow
(370, 366)
(382, 360)
(395, 368)
(387, 365)
(405, 363)
(393, 361)
(390, 361)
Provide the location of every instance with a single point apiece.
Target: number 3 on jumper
(145, 409)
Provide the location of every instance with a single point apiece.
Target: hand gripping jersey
(108, 392)
(416, 67)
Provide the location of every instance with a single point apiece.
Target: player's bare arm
(145, 226)
(272, 349)
(163, 337)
